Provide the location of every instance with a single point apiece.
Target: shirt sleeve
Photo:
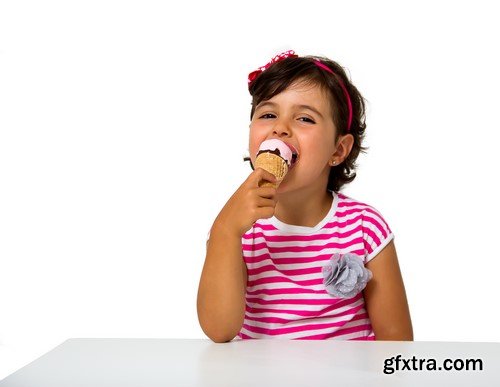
(376, 233)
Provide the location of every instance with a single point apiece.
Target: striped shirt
(286, 297)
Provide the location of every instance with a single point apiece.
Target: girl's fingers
(265, 212)
(263, 202)
(266, 192)
(261, 174)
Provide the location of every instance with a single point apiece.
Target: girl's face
(301, 116)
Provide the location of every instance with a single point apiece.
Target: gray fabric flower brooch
(345, 275)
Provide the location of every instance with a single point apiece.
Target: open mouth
(295, 155)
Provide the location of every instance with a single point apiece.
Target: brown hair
(279, 76)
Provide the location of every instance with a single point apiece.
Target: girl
(303, 261)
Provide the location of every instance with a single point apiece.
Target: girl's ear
(344, 146)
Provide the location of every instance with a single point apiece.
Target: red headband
(291, 54)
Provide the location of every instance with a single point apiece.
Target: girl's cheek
(253, 146)
(256, 138)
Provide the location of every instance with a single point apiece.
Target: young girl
(303, 261)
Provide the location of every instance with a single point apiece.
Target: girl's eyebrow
(274, 105)
(311, 109)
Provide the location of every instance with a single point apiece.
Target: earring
(333, 163)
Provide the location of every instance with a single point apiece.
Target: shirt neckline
(304, 229)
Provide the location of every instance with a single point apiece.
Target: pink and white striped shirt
(286, 297)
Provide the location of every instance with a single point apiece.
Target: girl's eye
(268, 115)
(307, 119)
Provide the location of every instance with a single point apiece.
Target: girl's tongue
(295, 154)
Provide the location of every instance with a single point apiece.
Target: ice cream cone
(273, 164)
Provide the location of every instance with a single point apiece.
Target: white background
(122, 130)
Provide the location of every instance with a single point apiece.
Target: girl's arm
(221, 293)
(222, 288)
(385, 298)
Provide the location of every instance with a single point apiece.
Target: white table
(175, 362)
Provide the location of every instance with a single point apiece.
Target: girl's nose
(281, 130)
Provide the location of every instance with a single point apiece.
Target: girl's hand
(248, 204)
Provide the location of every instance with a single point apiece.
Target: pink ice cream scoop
(276, 157)
(279, 148)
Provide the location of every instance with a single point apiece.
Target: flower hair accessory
(345, 275)
(277, 58)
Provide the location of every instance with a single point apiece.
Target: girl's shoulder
(347, 205)
(350, 203)
(368, 222)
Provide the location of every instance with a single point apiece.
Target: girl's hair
(280, 75)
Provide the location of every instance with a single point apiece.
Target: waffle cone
(273, 164)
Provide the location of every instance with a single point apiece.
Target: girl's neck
(306, 207)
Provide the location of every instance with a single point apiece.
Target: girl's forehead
(303, 85)
(300, 92)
